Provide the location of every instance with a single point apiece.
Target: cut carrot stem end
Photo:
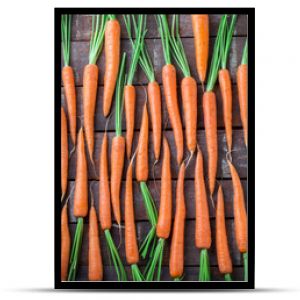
(204, 273)
(227, 277)
(120, 270)
(245, 257)
(136, 273)
(76, 250)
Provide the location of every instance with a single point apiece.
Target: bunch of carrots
(118, 86)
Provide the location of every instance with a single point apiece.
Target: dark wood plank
(80, 50)
(82, 24)
(140, 213)
(100, 120)
(239, 155)
(191, 274)
(191, 252)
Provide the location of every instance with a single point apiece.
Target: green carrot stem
(245, 54)
(112, 17)
(119, 93)
(97, 37)
(66, 37)
(245, 257)
(177, 279)
(163, 28)
(227, 277)
(204, 272)
(215, 62)
(76, 250)
(120, 270)
(136, 273)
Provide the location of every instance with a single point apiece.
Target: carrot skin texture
(90, 86)
(200, 24)
(170, 90)
(129, 101)
(154, 97)
(189, 102)
(70, 92)
(226, 91)
(65, 243)
(131, 246)
(223, 253)
(95, 271)
(142, 168)
(81, 179)
(239, 211)
(177, 243)
(210, 124)
(164, 221)
(104, 189)
(117, 164)
(112, 61)
(242, 85)
(202, 225)
(64, 152)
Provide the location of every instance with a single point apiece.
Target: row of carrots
(106, 30)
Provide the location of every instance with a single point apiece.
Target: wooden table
(79, 58)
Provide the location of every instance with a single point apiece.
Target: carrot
(90, 81)
(240, 217)
(142, 150)
(188, 88)
(112, 61)
(225, 81)
(163, 226)
(65, 243)
(170, 88)
(200, 24)
(242, 85)
(129, 93)
(177, 245)
(64, 153)
(104, 191)
(210, 111)
(95, 272)
(118, 147)
(223, 254)
(68, 75)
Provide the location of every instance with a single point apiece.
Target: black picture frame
(163, 285)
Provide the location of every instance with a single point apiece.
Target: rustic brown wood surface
(79, 58)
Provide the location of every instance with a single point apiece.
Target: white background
(27, 135)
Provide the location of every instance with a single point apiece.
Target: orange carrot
(239, 211)
(223, 254)
(129, 101)
(65, 243)
(202, 227)
(117, 164)
(155, 113)
(177, 245)
(64, 153)
(95, 272)
(81, 180)
(210, 123)
(141, 170)
(112, 61)
(104, 192)
(200, 25)
(131, 246)
(242, 85)
(163, 226)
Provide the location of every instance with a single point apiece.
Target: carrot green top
(164, 32)
(66, 37)
(112, 17)
(226, 39)
(97, 36)
(119, 94)
(215, 61)
(136, 44)
(245, 54)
